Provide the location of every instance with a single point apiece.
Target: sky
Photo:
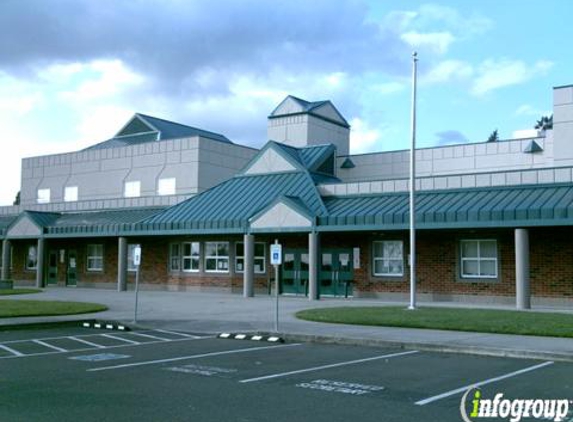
(73, 72)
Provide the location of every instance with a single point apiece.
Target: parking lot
(166, 375)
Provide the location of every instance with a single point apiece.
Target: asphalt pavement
(216, 312)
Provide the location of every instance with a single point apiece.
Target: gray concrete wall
(563, 123)
(196, 164)
(469, 158)
(303, 130)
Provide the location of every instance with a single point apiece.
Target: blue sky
(72, 72)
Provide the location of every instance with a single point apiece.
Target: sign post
(276, 260)
(137, 263)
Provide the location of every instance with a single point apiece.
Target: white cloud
(363, 137)
(448, 70)
(529, 110)
(103, 78)
(435, 42)
(389, 88)
(494, 74)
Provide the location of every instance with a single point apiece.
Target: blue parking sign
(276, 254)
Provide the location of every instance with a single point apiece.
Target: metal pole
(413, 188)
(136, 294)
(276, 294)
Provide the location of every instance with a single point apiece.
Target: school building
(494, 219)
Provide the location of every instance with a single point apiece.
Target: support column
(313, 264)
(6, 247)
(40, 261)
(249, 265)
(522, 290)
(121, 264)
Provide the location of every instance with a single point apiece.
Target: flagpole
(413, 188)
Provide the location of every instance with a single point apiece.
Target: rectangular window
(130, 249)
(260, 257)
(191, 253)
(166, 186)
(175, 257)
(478, 258)
(217, 257)
(70, 194)
(132, 189)
(388, 258)
(95, 258)
(32, 258)
(43, 196)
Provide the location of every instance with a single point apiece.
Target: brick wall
(551, 256)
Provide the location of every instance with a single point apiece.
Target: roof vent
(347, 164)
(532, 147)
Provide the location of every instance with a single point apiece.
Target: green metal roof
(229, 205)
(5, 222)
(461, 208)
(42, 219)
(143, 129)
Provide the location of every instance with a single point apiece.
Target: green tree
(494, 137)
(17, 200)
(544, 123)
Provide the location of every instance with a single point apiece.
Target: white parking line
(50, 346)
(177, 333)
(9, 349)
(479, 384)
(120, 338)
(149, 336)
(89, 343)
(334, 365)
(202, 355)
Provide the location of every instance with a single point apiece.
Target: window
(95, 258)
(191, 256)
(43, 196)
(166, 186)
(389, 258)
(478, 258)
(260, 257)
(71, 194)
(32, 258)
(132, 189)
(130, 249)
(175, 257)
(217, 257)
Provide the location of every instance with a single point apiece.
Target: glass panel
(392, 249)
(379, 266)
(195, 264)
(288, 264)
(469, 249)
(304, 262)
(187, 249)
(259, 265)
(260, 250)
(211, 264)
(195, 248)
(488, 268)
(210, 249)
(223, 249)
(239, 249)
(344, 260)
(378, 248)
(395, 266)
(488, 249)
(326, 262)
(470, 267)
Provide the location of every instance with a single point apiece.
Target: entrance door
(294, 277)
(53, 267)
(336, 273)
(71, 272)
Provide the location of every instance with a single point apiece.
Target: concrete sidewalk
(214, 313)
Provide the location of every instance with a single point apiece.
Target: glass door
(53, 267)
(72, 273)
(294, 273)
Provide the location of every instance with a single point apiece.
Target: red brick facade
(551, 263)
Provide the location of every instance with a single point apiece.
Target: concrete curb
(430, 347)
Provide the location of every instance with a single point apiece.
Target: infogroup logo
(515, 410)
